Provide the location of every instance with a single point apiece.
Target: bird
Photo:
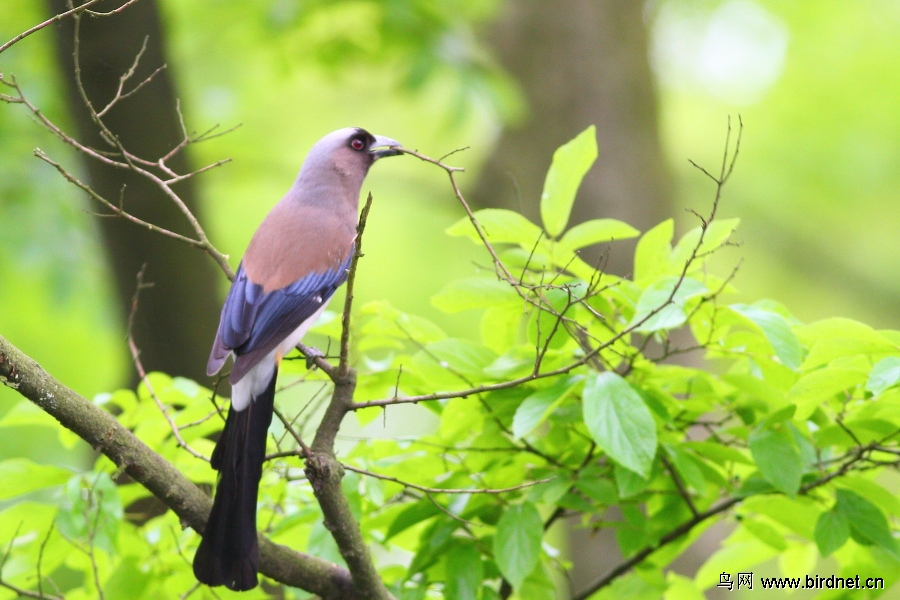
(298, 257)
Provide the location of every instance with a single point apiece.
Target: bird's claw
(311, 355)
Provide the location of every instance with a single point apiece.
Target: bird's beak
(389, 147)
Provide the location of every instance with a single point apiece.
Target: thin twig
(92, 531)
(136, 358)
(856, 456)
(678, 483)
(48, 22)
(126, 159)
(435, 490)
(117, 210)
(40, 579)
(289, 427)
(344, 365)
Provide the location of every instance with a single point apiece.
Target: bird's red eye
(357, 144)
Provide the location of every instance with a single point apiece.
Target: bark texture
(101, 430)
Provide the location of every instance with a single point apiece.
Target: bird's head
(338, 163)
(352, 150)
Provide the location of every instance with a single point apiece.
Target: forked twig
(136, 358)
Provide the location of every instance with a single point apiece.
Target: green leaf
(544, 321)
(537, 586)
(571, 162)
(657, 295)
(517, 545)
(464, 572)
(777, 330)
(777, 458)
(868, 525)
(872, 491)
(432, 543)
(844, 329)
(779, 416)
(129, 580)
(489, 594)
(798, 559)
(798, 514)
(461, 355)
(716, 234)
(688, 468)
(500, 226)
(681, 588)
(411, 515)
(91, 506)
(628, 482)
(654, 251)
(19, 476)
(322, 545)
(597, 231)
(832, 530)
(885, 374)
(719, 453)
(599, 490)
(535, 409)
(620, 422)
(765, 533)
(474, 292)
(550, 491)
(814, 388)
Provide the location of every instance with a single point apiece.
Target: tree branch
(48, 22)
(850, 460)
(105, 434)
(325, 472)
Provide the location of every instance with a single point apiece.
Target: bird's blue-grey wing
(254, 322)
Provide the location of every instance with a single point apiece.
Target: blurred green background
(816, 185)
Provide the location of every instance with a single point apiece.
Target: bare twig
(505, 274)
(435, 490)
(128, 75)
(678, 483)
(40, 579)
(344, 366)
(121, 159)
(136, 358)
(117, 211)
(95, 501)
(451, 173)
(49, 22)
(289, 427)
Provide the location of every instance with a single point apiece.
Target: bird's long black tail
(228, 554)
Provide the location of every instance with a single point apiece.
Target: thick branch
(105, 434)
(324, 473)
(323, 470)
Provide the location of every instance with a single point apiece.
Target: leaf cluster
(585, 398)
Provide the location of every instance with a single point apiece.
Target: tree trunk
(579, 63)
(176, 321)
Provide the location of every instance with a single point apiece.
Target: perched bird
(297, 258)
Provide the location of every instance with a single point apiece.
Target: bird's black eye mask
(361, 140)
